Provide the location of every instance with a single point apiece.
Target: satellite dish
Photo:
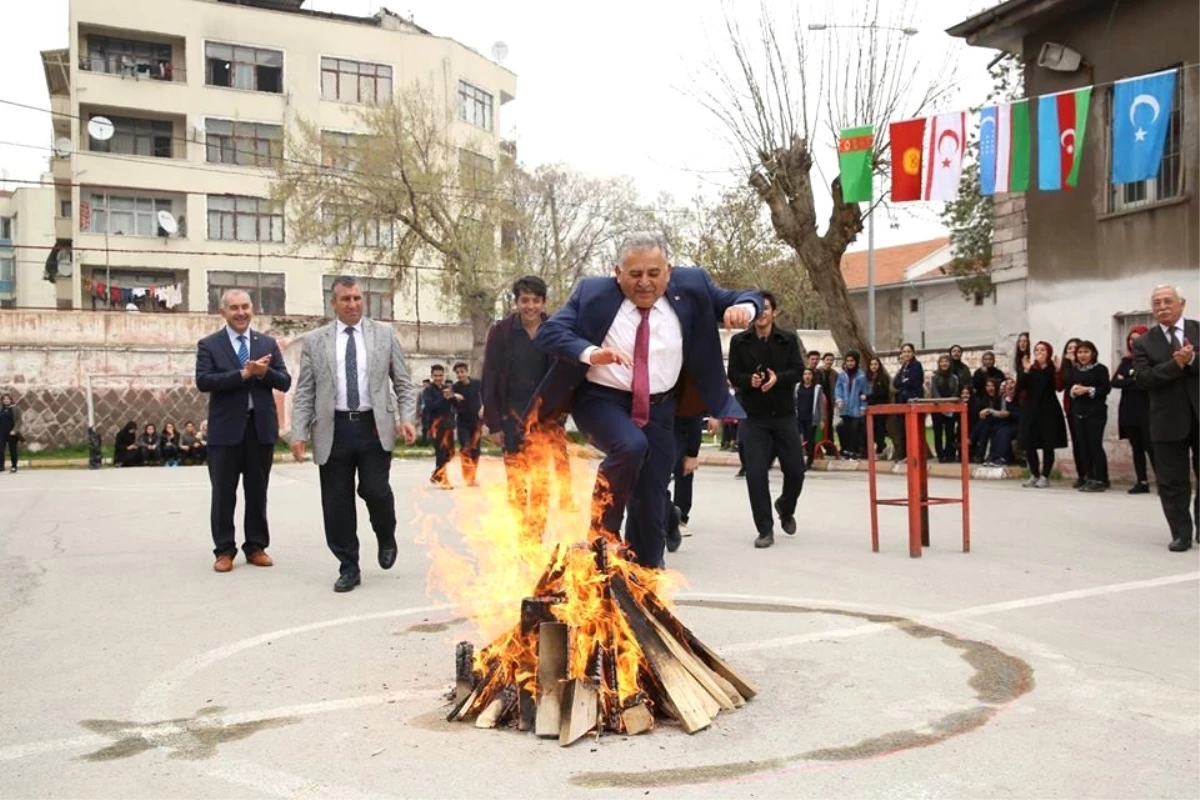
(499, 52)
(167, 223)
(63, 147)
(65, 265)
(100, 128)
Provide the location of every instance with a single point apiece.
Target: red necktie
(641, 371)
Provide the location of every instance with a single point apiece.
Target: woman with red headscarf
(1133, 415)
(1042, 425)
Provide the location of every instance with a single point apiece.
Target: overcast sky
(607, 87)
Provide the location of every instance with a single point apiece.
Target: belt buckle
(353, 415)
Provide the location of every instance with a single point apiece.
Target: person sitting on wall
(125, 447)
(149, 445)
(168, 446)
(192, 448)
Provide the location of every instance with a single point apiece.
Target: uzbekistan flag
(1062, 122)
(1004, 140)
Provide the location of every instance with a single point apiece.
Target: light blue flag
(987, 150)
(1141, 111)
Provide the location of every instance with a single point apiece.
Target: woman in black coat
(1088, 390)
(125, 448)
(1133, 415)
(1042, 425)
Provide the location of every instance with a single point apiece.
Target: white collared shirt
(666, 348)
(1179, 335)
(360, 358)
(233, 340)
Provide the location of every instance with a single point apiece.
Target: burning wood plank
(551, 672)
(580, 711)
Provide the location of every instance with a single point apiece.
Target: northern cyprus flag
(1004, 137)
(945, 138)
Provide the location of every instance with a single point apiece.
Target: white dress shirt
(1166, 331)
(233, 340)
(666, 348)
(360, 358)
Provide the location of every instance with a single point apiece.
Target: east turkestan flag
(1004, 137)
(1062, 123)
(855, 148)
(946, 136)
(1141, 111)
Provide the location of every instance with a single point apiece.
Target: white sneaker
(1030, 483)
(683, 530)
(1042, 482)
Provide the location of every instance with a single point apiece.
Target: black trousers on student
(761, 439)
(442, 433)
(356, 452)
(1088, 433)
(1142, 450)
(945, 436)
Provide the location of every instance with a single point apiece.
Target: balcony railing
(132, 68)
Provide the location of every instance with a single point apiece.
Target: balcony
(132, 55)
(135, 135)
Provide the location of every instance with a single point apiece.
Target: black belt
(354, 416)
(655, 399)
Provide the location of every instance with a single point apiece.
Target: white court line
(154, 702)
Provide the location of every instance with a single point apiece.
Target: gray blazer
(315, 392)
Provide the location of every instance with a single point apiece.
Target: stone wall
(141, 366)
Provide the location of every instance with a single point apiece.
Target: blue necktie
(243, 350)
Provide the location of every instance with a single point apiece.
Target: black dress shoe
(674, 536)
(1079, 483)
(1180, 545)
(787, 523)
(1140, 488)
(347, 582)
(387, 554)
(764, 540)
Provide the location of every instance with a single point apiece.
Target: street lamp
(822, 26)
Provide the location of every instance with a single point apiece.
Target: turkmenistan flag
(1004, 138)
(855, 147)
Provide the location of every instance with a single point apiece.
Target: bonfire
(589, 643)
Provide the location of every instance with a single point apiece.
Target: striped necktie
(243, 350)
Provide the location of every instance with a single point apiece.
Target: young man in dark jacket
(765, 363)
(437, 401)
(468, 403)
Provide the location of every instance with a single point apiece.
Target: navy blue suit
(638, 461)
(240, 443)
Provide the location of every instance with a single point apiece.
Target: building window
(355, 81)
(8, 275)
(474, 105)
(914, 305)
(474, 171)
(359, 230)
(1168, 182)
(267, 290)
(132, 278)
(378, 295)
(338, 150)
(236, 67)
(123, 214)
(136, 137)
(6, 229)
(64, 209)
(236, 218)
(247, 144)
(128, 58)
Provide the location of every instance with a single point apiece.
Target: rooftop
(381, 19)
(1004, 25)
(893, 264)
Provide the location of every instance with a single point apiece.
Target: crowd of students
(168, 448)
(1046, 402)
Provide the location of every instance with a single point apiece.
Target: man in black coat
(1165, 366)
(437, 399)
(468, 402)
(240, 369)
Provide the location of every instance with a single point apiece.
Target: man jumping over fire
(631, 353)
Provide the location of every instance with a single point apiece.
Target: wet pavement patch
(191, 738)
(997, 678)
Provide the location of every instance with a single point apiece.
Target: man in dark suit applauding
(1164, 363)
(240, 369)
(631, 352)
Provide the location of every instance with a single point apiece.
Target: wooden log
(580, 711)
(460, 708)
(637, 719)
(703, 675)
(552, 672)
(526, 709)
(464, 670)
(713, 661)
(676, 682)
(499, 709)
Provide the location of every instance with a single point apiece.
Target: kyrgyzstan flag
(944, 143)
(1062, 122)
(907, 138)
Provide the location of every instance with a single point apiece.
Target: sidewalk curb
(977, 472)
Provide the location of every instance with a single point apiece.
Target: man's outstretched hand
(610, 355)
(737, 317)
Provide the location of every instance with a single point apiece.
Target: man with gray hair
(1164, 364)
(631, 352)
(240, 369)
(353, 397)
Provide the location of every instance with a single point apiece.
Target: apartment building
(26, 236)
(200, 95)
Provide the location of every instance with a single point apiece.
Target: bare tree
(787, 93)
(402, 191)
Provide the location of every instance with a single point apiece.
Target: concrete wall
(46, 358)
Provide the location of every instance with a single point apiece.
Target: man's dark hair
(530, 284)
(437, 368)
(852, 354)
(826, 355)
(770, 297)
(909, 345)
(345, 281)
(462, 364)
(812, 353)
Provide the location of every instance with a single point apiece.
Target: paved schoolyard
(1060, 658)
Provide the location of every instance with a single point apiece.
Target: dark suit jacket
(1174, 390)
(584, 321)
(218, 373)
